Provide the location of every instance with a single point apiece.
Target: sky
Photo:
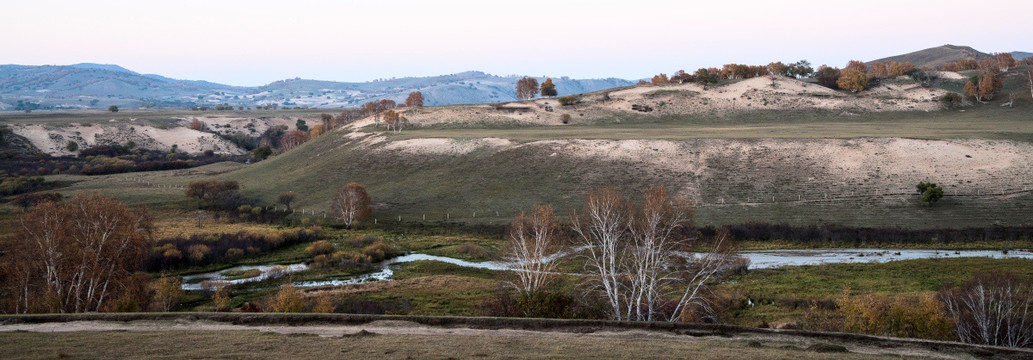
(255, 42)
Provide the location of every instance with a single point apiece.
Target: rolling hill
(936, 56)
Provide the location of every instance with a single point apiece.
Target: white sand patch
(439, 146)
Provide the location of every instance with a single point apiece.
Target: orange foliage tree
(854, 77)
(548, 88)
(293, 139)
(414, 100)
(78, 256)
(660, 79)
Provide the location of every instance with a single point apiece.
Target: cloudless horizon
(249, 43)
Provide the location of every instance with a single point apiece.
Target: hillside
(936, 56)
(789, 152)
(95, 86)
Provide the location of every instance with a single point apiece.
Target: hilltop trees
(801, 69)
(854, 77)
(351, 202)
(414, 100)
(395, 121)
(827, 76)
(660, 79)
(548, 89)
(78, 256)
(704, 77)
(526, 88)
(639, 257)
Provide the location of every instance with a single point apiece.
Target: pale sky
(256, 42)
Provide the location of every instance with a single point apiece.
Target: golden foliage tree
(288, 300)
(854, 77)
(548, 88)
(196, 124)
(293, 139)
(168, 291)
(351, 202)
(660, 79)
(316, 131)
(78, 256)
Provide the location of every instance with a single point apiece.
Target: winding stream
(758, 260)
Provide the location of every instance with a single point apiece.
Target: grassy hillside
(936, 56)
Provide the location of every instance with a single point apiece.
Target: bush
(567, 100)
(169, 253)
(565, 118)
(951, 100)
(288, 300)
(898, 316)
(321, 247)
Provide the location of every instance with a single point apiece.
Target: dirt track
(439, 332)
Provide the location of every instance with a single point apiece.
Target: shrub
(951, 100)
(567, 100)
(899, 316)
(321, 247)
(288, 300)
(565, 118)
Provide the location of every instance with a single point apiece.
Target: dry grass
(370, 345)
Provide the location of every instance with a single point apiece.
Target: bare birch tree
(532, 240)
(601, 231)
(639, 256)
(351, 202)
(78, 255)
(992, 309)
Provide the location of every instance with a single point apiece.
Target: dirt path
(398, 337)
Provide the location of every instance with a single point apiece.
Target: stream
(758, 260)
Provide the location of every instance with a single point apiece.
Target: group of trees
(640, 259)
(384, 109)
(528, 88)
(78, 256)
(706, 76)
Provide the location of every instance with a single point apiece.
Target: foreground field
(321, 336)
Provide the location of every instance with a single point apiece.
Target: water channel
(758, 260)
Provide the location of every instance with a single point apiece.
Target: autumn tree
(414, 100)
(854, 77)
(209, 189)
(548, 89)
(983, 87)
(894, 69)
(395, 121)
(878, 70)
(328, 121)
(682, 77)
(196, 124)
(286, 198)
(532, 241)
(526, 88)
(660, 79)
(167, 292)
(316, 131)
(778, 68)
(293, 139)
(705, 77)
(79, 256)
(827, 76)
(351, 202)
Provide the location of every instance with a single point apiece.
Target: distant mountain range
(97, 86)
